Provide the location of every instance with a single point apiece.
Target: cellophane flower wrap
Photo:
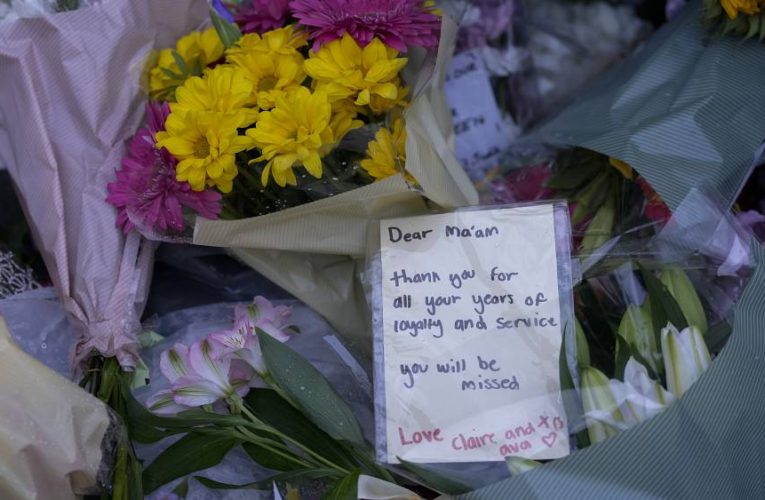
(290, 129)
(71, 86)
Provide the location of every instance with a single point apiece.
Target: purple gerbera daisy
(146, 188)
(397, 23)
(259, 16)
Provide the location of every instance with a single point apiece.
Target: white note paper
(482, 135)
(471, 334)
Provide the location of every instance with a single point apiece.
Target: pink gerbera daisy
(146, 188)
(259, 16)
(397, 23)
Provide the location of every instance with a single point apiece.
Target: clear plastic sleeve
(450, 424)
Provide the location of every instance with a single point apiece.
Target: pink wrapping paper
(71, 96)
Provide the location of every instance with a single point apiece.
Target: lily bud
(600, 228)
(683, 291)
(604, 419)
(636, 328)
(685, 357)
(582, 348)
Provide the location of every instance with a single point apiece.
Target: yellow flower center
(202, 148)
(267, 83)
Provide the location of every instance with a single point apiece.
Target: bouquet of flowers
(606, 196)
(289, 126)
(742, 17)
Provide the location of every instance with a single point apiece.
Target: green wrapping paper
(709, 444)
(686, 111)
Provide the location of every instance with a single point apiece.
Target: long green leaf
(229, 33)
(266, 458)
(266, 484)
(308, 389)
(346, 489)
(435, 480)
(193, 452)
(272, 409)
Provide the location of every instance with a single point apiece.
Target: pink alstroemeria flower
(210, 378)
(263, 315)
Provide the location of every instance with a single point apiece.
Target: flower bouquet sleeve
(70, 99)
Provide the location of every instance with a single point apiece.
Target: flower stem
(265, 444)
(266, 428)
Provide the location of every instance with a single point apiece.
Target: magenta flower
(397, 23)
(146, 190)
(259, 16)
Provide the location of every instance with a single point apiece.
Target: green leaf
(309, 390)
(182, 489)
(193, 452)
(229, 33)
(171, 75)
(266, 458)
(574, 176)
(717, 336)
(346, 489)
(754, 26)
(266, 484)
(664, 308)
(435, 480)
(180, 62)
(272, 409)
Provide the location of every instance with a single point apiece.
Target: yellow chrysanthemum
(283, 41)
(379, 104)
(749, 7)
(298, 131)
(197, 49)
(224, 90)
(205, 145)
(344, 70)
(271, 75)
(387, 153)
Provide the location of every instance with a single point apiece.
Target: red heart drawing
(549, 439)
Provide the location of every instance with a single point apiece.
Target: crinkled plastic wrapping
(477, 473)
(316, 342)
(684, 111)
(71, 97)
(315, 251)
(55, 439)
(712, 425)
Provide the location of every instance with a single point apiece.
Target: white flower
(685, 357)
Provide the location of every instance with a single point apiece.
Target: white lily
(601, 411)
(685, 357)
(639, 397)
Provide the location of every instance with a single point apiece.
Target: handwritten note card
(472, 329)
(481, 133)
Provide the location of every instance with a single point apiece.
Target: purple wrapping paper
(71, 96)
